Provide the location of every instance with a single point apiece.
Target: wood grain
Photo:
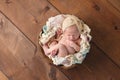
(21, 57)
(17, 55)
(103, 19)
(2, 76)
(15, 41)
(97, 66)
(115, 4)
(20, 51)
(28, 16)
(16, 51)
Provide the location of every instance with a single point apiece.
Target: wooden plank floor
(102, 16)
(21, 56)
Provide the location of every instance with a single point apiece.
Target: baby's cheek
(67, 37)
(78, 35)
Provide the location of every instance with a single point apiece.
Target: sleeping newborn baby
(69, 43)
(65, 40)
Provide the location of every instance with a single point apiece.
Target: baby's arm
(74, 45)
(48, 50)
(53, 47)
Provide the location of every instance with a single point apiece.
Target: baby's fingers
(54, 52)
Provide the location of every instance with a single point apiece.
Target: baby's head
(71, 28)
(71, 33)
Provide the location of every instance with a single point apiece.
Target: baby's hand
(53, 53)
(70, 43)
(73, 45)
(59, 31)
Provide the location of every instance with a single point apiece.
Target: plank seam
(91, 41)
(113, 6)
(61, 71)
(21, 32)
(105, 54)
(54, 7)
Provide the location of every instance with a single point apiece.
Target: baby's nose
(71, 37)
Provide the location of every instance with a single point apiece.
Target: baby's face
(72, 33)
